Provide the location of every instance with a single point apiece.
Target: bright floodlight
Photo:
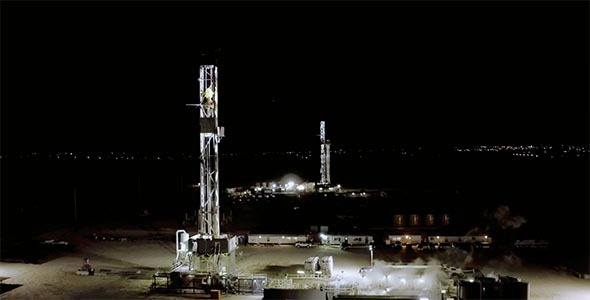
(323, 236)
(290, 185)
(290, 178)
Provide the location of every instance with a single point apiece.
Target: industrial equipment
(208, 255)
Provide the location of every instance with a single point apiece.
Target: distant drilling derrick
(325, 156)
(211, 134)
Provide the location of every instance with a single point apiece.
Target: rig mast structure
(324, 156)
(211, 134)
(209, 244)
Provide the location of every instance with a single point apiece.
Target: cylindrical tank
(516, 290)
(445, 219)
(469, 290)
(180, 280)
(399, 220)
(326, 265)
(181, 240)
(429, 219)
(414, 220)
(493, 289)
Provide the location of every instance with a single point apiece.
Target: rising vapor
(505, 219)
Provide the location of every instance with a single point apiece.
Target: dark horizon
(105, 76)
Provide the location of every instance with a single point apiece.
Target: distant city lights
(518, 151)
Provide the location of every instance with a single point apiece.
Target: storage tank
(414, 220)
(445, 219)
(399, 220)
(311, 264)
(469, 290)
(326, 265)
(492, 289)
(181, 240)
(513, 288)
(429, 219)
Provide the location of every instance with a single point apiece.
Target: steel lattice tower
(210, 134)
(325, 156)
(208, 250)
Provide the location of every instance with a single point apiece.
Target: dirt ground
(126, 259)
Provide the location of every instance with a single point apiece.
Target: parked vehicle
(424, 246)
(403, 239)
(444, 246)
(303, 244)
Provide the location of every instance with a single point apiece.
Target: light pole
(371, 249)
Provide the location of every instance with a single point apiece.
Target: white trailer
(357, 240)
(404, 239)
(481, 239)
(353, 240)
(329, 239)
(276, 239)
(460, 239)
(531, 244)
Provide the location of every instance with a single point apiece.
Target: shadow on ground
(8, 287)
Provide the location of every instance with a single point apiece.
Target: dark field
(551, 195)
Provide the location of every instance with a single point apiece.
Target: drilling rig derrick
(324, 157)
(203, 252)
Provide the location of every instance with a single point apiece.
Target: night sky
(111, 76)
